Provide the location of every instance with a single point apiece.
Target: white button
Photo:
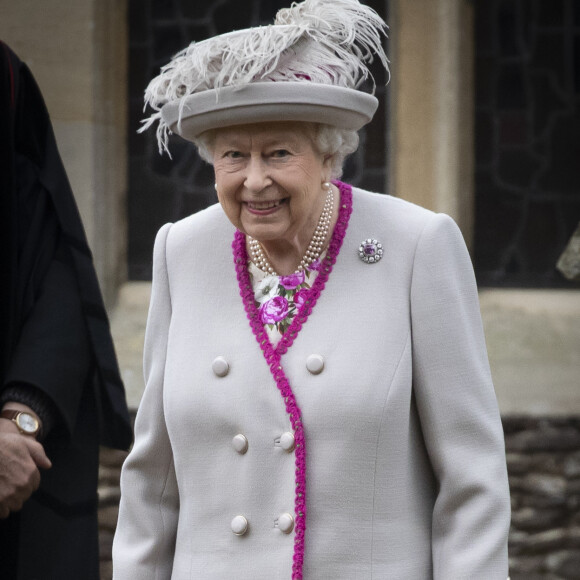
(315, 363)
(239, 525)
(287, 441)
(286, 523)
(240, 443)
(220, 366)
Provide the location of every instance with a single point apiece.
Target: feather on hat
(307, 66)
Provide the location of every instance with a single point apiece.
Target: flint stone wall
(543, 457)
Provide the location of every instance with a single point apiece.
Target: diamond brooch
(370, 251)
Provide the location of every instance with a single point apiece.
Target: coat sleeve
(458, 410)
(53, 353)
(145, 539)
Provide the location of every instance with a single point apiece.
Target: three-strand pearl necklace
(258, 255)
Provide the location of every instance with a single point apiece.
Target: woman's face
(269, 179)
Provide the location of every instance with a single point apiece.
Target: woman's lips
(264, 207)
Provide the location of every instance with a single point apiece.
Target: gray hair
(327, 140)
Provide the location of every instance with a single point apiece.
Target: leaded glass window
(527, 139)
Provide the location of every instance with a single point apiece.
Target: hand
(21, 457)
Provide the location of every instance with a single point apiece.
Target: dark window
(527, 139)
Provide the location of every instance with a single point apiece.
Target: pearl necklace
(258, 255)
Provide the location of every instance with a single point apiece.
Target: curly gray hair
(327, 140)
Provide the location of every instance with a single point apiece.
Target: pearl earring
(326, 185)
(215, 186)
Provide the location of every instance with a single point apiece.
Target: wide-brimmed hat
(307, 66)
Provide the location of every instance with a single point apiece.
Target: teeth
(263, 205)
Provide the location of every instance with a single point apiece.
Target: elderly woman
(318, 401)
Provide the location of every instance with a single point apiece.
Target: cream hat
(307, 66)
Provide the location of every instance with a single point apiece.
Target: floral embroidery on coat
(279, 298)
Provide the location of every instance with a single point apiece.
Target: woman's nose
(257, 177)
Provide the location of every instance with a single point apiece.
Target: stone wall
(543, 458)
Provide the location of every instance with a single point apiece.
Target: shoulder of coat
(392, 212)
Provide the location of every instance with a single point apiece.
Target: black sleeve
(53, 352)
(54, 332)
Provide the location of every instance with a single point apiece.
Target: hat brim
(266, 102)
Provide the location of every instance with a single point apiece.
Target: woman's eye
(280, 153)
(233, 155)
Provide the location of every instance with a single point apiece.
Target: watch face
(27, 423)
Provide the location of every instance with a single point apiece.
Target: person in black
(59, 379)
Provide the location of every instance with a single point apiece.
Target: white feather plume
(320, 41)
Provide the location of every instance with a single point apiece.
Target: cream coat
(406, 474)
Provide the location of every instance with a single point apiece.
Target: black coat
(55, 337)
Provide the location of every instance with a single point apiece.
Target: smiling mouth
(264, 205)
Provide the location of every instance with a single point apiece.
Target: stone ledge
(533, 341)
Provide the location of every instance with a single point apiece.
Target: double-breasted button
(315, 364)
(220, 366)
(285, 523)
(239, 525)
(240, 443)
(287, 441)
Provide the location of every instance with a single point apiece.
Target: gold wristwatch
(26, 422)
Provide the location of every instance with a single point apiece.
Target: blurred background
(480, 120)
